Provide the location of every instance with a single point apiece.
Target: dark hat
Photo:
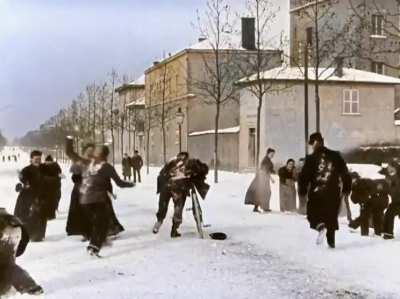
(218, 236)
(315, 137)
(49, 158)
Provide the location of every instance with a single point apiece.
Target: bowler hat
(315, 137)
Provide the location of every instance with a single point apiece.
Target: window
(351, 102)
(378, 25)
(309, 35)
(378, 67)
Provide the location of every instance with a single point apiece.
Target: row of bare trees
(95, 115)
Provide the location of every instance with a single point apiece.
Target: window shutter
(373, 24)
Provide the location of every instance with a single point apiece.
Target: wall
(360, 37)
(282, 121)
(202, 146)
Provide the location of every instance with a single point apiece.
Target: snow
(228, 41)
(266, 255)
(139, 81)
(231, 130)
(326, 74)
(138, 102)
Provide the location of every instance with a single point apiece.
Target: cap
(315, 137)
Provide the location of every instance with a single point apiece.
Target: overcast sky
(51, 49)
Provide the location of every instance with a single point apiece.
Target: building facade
(176, 84)
(130, 118)
(356, 110)
(363, 32)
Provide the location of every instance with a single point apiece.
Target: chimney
(339, 67)
(248, 33)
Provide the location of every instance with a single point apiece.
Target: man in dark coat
(373, 198)
(31, 202)
(137, 164)
(392, 174)
(175, 181)
(13, 241)
(53, 170)
(325, 179)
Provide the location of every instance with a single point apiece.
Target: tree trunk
(216, 136)
(317, 107)
(258, 132)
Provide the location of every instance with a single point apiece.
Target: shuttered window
(351, 102)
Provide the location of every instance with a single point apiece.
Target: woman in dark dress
(77, 223)
(95, 192)
(259, 192)
(287, 187)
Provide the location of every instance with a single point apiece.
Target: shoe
(156, 227)
(175, 234)
(174, 231)
(321, 233)
(388, 236)
(93, 251)
(37, 290)
(353, 225)
(330, 238)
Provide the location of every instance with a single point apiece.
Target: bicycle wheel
(197, 213)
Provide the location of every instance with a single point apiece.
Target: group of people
(323, 182)
(10, 158)
(132, 164)
(39, 194)
(259, 193)
(91, 212)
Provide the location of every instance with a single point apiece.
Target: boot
(35, 291)
(330, 237)
(321, 228)
(174, 231)
(156, 227)
(387, 236)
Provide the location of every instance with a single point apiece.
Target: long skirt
(32, 213)
(287, 195)
(77, 222)
(259, 192)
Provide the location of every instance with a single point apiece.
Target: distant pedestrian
(137, 164)
(325, 179)
(287, 187)
(259, 192)
(126, 167)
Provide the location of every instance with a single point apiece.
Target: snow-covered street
(266, 255)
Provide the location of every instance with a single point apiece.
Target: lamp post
(180, 118)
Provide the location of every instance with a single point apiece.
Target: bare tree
(220, 71)
(114, 77)
(254, 63)
(328, 40)
(379, 33)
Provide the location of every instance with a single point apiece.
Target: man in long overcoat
(325, 179)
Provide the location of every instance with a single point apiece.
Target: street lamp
(180, 118)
